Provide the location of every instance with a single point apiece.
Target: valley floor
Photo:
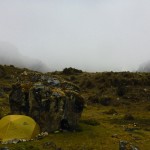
(101, 128)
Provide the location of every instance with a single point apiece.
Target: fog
(11, 56)
(98, 35)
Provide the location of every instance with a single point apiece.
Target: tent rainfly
(18, 127)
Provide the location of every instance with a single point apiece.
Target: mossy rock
(53, 108)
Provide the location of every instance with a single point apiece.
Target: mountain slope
(9, 55)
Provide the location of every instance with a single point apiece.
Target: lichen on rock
(53, 106)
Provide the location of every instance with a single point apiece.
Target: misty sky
(92, 35)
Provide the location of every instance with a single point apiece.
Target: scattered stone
(23, 140)
(15, 141)
(44, 133)
(41, 135)
(136, 138)
(56, 132)
(115, 136)
(53, 82)
(131, 127)
(124, 145)
(50, 145)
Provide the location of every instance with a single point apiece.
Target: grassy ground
(101, 127)
(100, 131)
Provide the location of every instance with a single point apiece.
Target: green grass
(98, 137)
(98, 130)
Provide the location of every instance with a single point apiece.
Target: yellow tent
(18, 127)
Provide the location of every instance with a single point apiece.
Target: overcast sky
(92, 35)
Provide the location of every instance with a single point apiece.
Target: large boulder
(53, 107)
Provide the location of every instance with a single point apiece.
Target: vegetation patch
(130, 92)
(121, 90)
(128, 117)
(94, 99)
(91, 122)
(2, 71)
(87, 84)
(70, 71)
(112, 111)
(148, 108)
(106, 100)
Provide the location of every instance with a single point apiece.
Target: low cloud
(145, 67)
(9, 55)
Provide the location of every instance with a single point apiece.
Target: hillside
(9, 55)
(145, 67)
(117, 107)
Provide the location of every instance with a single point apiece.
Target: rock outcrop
(125, 145)
(54, 104)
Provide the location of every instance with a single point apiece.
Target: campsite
(74, 75)
(18, 126)
(116, 109)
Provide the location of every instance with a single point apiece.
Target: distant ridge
(9, 55)
(145, 67)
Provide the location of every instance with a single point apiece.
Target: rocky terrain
(116, 107)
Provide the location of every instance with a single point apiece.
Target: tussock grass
(129, 93)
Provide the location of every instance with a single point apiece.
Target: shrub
(7, 77)
(1, 110)
(106, 101)
(94, 99)
(91, 122)
(25, 147)
(121, 90)
(1, 92)
(148, 108)
(128, 117)
(2, 71)
(111, 112)
(72, 78)
(88, 84)
(12, 66)
(69, 71)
